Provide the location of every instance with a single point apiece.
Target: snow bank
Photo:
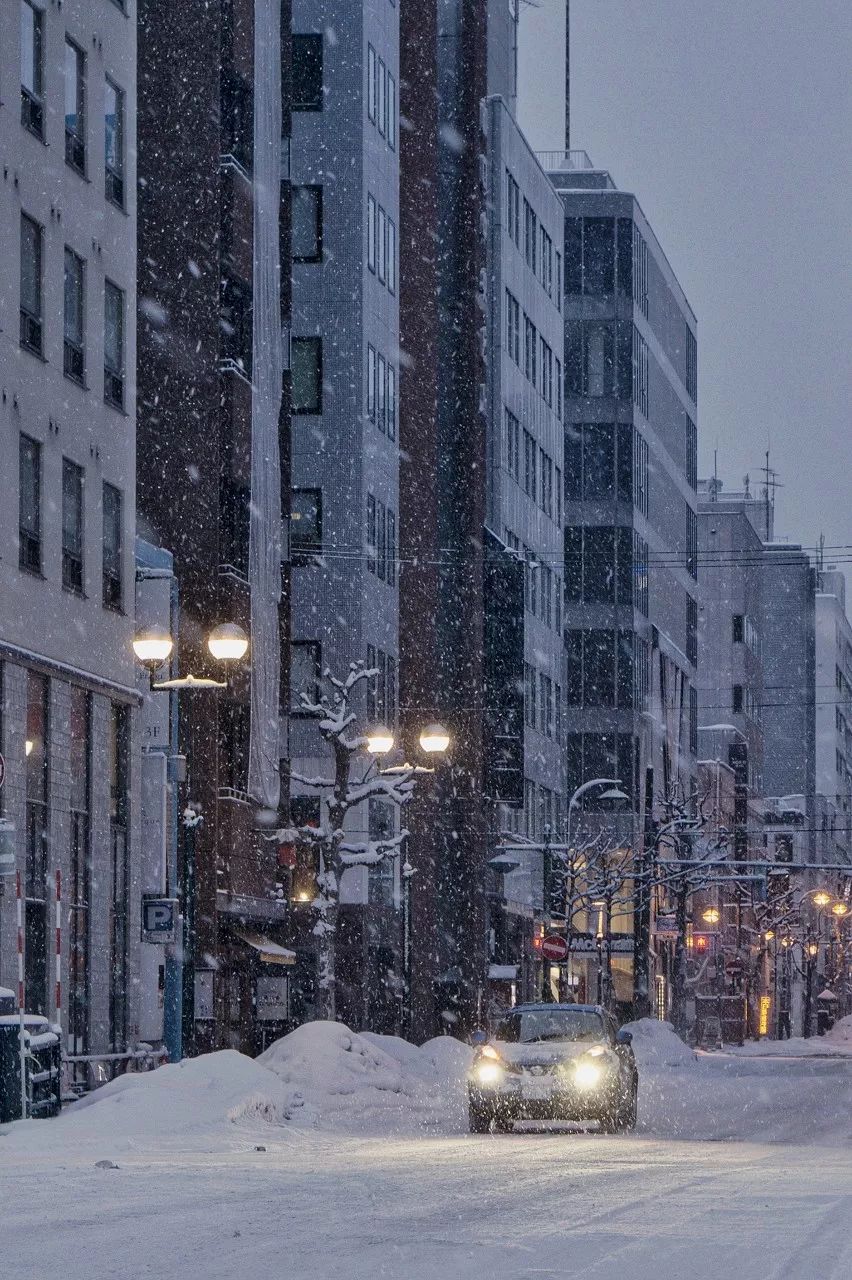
(840, 1035)
(354, 1081)
(657, 1045)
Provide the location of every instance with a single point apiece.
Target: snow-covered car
(554, 1062)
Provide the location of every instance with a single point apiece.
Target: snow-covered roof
(269, 952)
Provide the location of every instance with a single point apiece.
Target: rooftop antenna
(821, 553)
(567, 76)
(770, 484)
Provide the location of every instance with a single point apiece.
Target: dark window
(381, 387)
(625, 669)
(513, 327)
(381, 104)
(72, 526)
(599, 578)
(305, 660)
(31, 285)
(624, 360)
(691, 365)
(640, 372)
(37, 756)
(114, 143)
(113, 345)
(691, 542)
(237, 118)
(75, 107)
(530, 350)
(693, 720)
(691, 454)
(234, 502)
(598, 460)
(372, 87)
(639, 569)
(307, 224)
(371, 233)
(391, 402)
(391, 112)
(625, 463)
(599, 360)
(573, 564)
(112, 548)
(625, 257)
(371, 383)
(691, 630)
(306, 371)
(305, 525)
(738, 628)
(74, 361)
(599, 668)
(737, 697)
(235, 323)
(32, 68)
(29, 505)
(307, 73)
(598, 256)
(574, 358)
(573, 255)
(640, 272)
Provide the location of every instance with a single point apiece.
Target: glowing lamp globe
(379, 740)
(153, 647)
(228, 642)
(434, 739)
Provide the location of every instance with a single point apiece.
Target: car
(554, 1062)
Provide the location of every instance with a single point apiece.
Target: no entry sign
(554, 948)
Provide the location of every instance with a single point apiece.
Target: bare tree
(339, 794)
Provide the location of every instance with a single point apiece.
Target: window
(391, 112)
(113, 345)
(640, 372)
(513, 327)
(513, 198)
(546, 372)
(305, 525)
(546, 262)
(391, 263)
(530, 235)
(559, 389)
(235, 323)
(691, 542)
(391, 402)
(381, 385)
(119, 898)
(73, 356)
(29, 505)
(371, 383)
(546, 483)
(381, 105)
(112, 549)
(72, 526)
(513, 445)
(598, 460)
(36, 847)
(307, 73)
(236, 115)
(559, 282)
(692, 630)
(372, 91)
(737, 698)
(75, 107)
(390, 548)
(600, 363)
(307, 223)
(530, 355)
(32, 68)
(306, 373)
(114, 143)
(691, 365)
(530, 485)
(738, 628)
(381, 237)
(558, 487)
(371, 233)
(372, 535)
(31, 285)
(598, 256)
(640, 271)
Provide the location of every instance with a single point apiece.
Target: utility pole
(567, 75)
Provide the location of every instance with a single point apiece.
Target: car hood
(543, 1053)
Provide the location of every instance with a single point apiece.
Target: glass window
(113, 344)
(391, 111)
(391, 264)
(72, 526)
(372, 535)
(307, 223)
(598, 460)
(305, 524)
(513, 324)
(236, 115)
(307, 73)
(32, 67)
(75, 106)
(560, 1024)
(371, 383)
(114, 143)
(391, 406)
(371, 83)
(306, 372)
(73, 357)
(31, 285)
(573, 255)
(598, 256)
(530, 353)
(381, 238)
(381, 384)
(599, 668)
(371, 233)
(112, 548)
(599, 360)
(381, 108)
(29, 504)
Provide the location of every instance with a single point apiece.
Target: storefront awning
(269, 952)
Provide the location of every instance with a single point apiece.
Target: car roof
(546, 1007)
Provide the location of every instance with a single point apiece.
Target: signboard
(554, 947)
(272, 997)
(7, 847)
(159, 919)
(616, 944)
(665, 928)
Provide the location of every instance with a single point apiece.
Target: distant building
(345, 507)
(833, 710)
(68, 718)
(631, 537)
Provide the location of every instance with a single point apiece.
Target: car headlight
(488, 1072)
(588, 1074)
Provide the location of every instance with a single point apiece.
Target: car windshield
(551, 1024)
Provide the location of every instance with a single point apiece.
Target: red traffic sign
(554, 947)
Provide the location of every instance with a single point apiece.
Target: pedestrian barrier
(43, 1067)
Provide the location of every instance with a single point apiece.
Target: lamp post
(227, 643)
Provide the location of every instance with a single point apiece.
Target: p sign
(159, 919)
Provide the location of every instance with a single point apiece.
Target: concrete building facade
(833, 708)
(67, 510)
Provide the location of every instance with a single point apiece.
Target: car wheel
(479, 1120)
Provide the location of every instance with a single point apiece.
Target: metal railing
(559, 160)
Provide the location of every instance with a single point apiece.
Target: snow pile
(840, 1035)
(195, 1103)
(657, 1045)
(354, 1081)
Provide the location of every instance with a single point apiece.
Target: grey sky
(731, 122)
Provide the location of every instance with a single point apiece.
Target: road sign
(7, 848)
(159, 919)
(554, 947)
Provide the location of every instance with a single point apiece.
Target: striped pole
(21, 1030)
(58, 946)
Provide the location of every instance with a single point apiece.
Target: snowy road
(742, 1169)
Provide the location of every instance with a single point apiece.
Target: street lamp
(434, 739)
(379, 740)
(840, 909)
(614, 793)
(711, 915)
(153, 648)
(228, 642)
